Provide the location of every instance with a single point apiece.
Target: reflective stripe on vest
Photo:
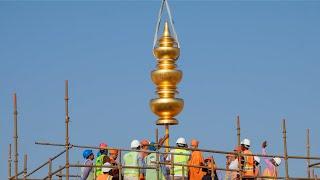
(99, 162)
(151, 174)
(131, 159)
(248, 165)
(180, 159)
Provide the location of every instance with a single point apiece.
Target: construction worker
(247, 162)
(233, 164)
(272, 164)
(106, 173)
(196, 159)
(209, 163)
(87, 172)
(102, 157)
(131, 159)
(144, 146)
(151, 174)
(256, 167)
(180, 159)
(113, 155)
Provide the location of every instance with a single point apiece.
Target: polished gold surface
(166, 77)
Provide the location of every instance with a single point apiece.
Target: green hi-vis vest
(99, 162)
(151, 174)
(131, 159)
(181, 159)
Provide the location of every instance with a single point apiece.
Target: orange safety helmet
(113, 151)
(144, 142)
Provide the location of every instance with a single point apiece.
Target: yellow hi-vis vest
(180, 159)
(131, 159)
(151, 174)
(99, 162)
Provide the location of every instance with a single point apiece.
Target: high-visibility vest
(104, 177)
(181, 159)
(248, 164)
(91, 174)
(131, 159)
(99, 162)
(151, 174)
(267, 172)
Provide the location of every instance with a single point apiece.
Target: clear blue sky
(256, 59)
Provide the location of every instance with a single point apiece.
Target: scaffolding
(26, 174)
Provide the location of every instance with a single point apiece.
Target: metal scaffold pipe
(25, 167)
(15, 136)
(285, 148)
(308, 153)
(66, 98)
(9, 162)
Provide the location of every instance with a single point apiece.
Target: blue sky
(256, 59)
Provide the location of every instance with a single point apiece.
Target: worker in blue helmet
(87, 172)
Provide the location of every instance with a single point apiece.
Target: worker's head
(88, 154)
(103, 148)
(135, 144)
(276, 161)
(256, 160)
(194, 143)
(144, 144)
(209, 161)
(106, 170)
(113, 154)
(245, 144)
(181, 142)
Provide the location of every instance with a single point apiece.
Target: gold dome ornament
(166, 77)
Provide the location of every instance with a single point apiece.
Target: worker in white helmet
(182, 158)
(272, 164)
(132, 159)
(247, 161)
(256, 168)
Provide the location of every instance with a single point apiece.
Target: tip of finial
(166, 31)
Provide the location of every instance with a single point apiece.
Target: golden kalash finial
(166, 77)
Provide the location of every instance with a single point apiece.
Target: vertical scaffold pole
(25, 167)
(15, 136)
(9, 162)
(167, 142)
(66, 98)
(238, 142)
(60, 173)
(50, 170)
(285, 148)
(308, 153)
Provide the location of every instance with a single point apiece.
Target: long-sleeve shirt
(86, 170)
(269, 164)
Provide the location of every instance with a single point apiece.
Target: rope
(166, 4)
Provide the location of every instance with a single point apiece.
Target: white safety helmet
(181, 140)
(257, 159)
(245, 142)
(106, 169)
(135, 144)
(277, 160)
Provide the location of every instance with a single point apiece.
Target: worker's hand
(264, 144)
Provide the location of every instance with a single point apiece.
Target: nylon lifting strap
(166, 4)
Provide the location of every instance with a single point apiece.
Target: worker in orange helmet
(247, 162)
(144, 145)
(113, 155)
(196, 159)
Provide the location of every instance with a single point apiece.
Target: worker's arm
(86, 170)
(141, 163)
(266, 160)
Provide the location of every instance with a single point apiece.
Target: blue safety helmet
(152, 147)
(87, 153)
